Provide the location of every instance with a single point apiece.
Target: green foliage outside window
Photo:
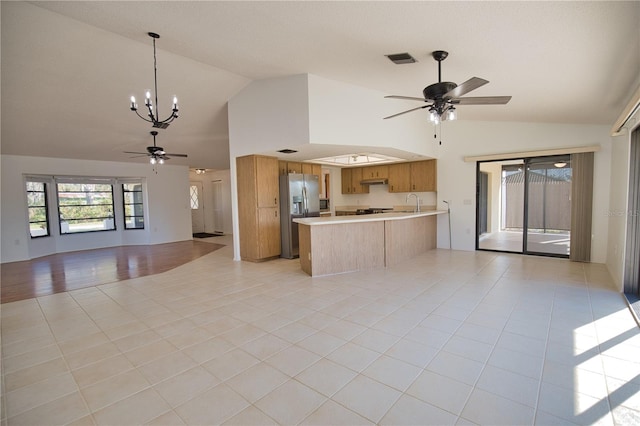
(85, 207)
(37, 207)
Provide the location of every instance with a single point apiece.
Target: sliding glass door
(524, 205)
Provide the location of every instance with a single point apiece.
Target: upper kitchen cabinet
(346, 180)
(312, 169)
(400, 177)
(375, 172)
(282, 168)
(423, 176)
(268, 183)
(351, 178)
(286, 167)
(419, 176)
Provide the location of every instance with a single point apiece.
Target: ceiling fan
(155, 153)
(444, 96)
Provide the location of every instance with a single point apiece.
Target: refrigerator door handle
(305, 208)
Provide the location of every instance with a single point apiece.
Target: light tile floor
(445, 338)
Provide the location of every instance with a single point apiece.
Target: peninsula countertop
(338, 244)
(334, 220)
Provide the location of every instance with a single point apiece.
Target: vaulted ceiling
(69, 68)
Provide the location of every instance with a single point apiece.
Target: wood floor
(71, 271)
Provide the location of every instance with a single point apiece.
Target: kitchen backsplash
(379, 196)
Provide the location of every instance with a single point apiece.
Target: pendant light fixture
(154, 115)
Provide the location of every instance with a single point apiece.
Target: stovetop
(374, 210)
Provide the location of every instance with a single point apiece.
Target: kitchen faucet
(417, 201)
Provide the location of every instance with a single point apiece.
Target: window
(37, 206)
(133, 206)
(85, 207)
(193, 192)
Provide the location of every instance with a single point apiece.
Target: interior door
(197, 207)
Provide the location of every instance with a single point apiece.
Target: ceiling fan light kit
(444, 95)
(156, 154)
(154, 116)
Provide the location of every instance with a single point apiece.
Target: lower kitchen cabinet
(268, 232)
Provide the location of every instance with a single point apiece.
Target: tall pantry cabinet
(258, 207)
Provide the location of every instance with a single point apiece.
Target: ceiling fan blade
(175, 155)
(482, 100)
(138, 156)
(134, 152)
(411, 98)
(404, 112)
(472, 84)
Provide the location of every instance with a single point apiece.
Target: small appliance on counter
(299, 197)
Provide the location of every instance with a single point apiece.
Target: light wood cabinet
(269, 242)
(282, 168)
(346, 180)
(307, 169)
(258, 205)
(400, 177)
(312, 169)
(423, 176)
(419, 176)
(375, 172)
(351, 178)
(356, 177)
(293, 167)
(268, 183)
(286, 167)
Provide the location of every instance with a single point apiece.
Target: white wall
(344, 114)
(269, 115)
(457, 179)
(168, 217)
(207, 188)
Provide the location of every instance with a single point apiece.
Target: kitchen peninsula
(337, 244)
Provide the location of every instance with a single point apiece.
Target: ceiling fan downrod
(440, 55)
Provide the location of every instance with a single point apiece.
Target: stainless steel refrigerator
(299, 197)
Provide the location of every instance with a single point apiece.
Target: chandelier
(154, 116)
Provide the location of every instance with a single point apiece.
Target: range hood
(374, 181)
